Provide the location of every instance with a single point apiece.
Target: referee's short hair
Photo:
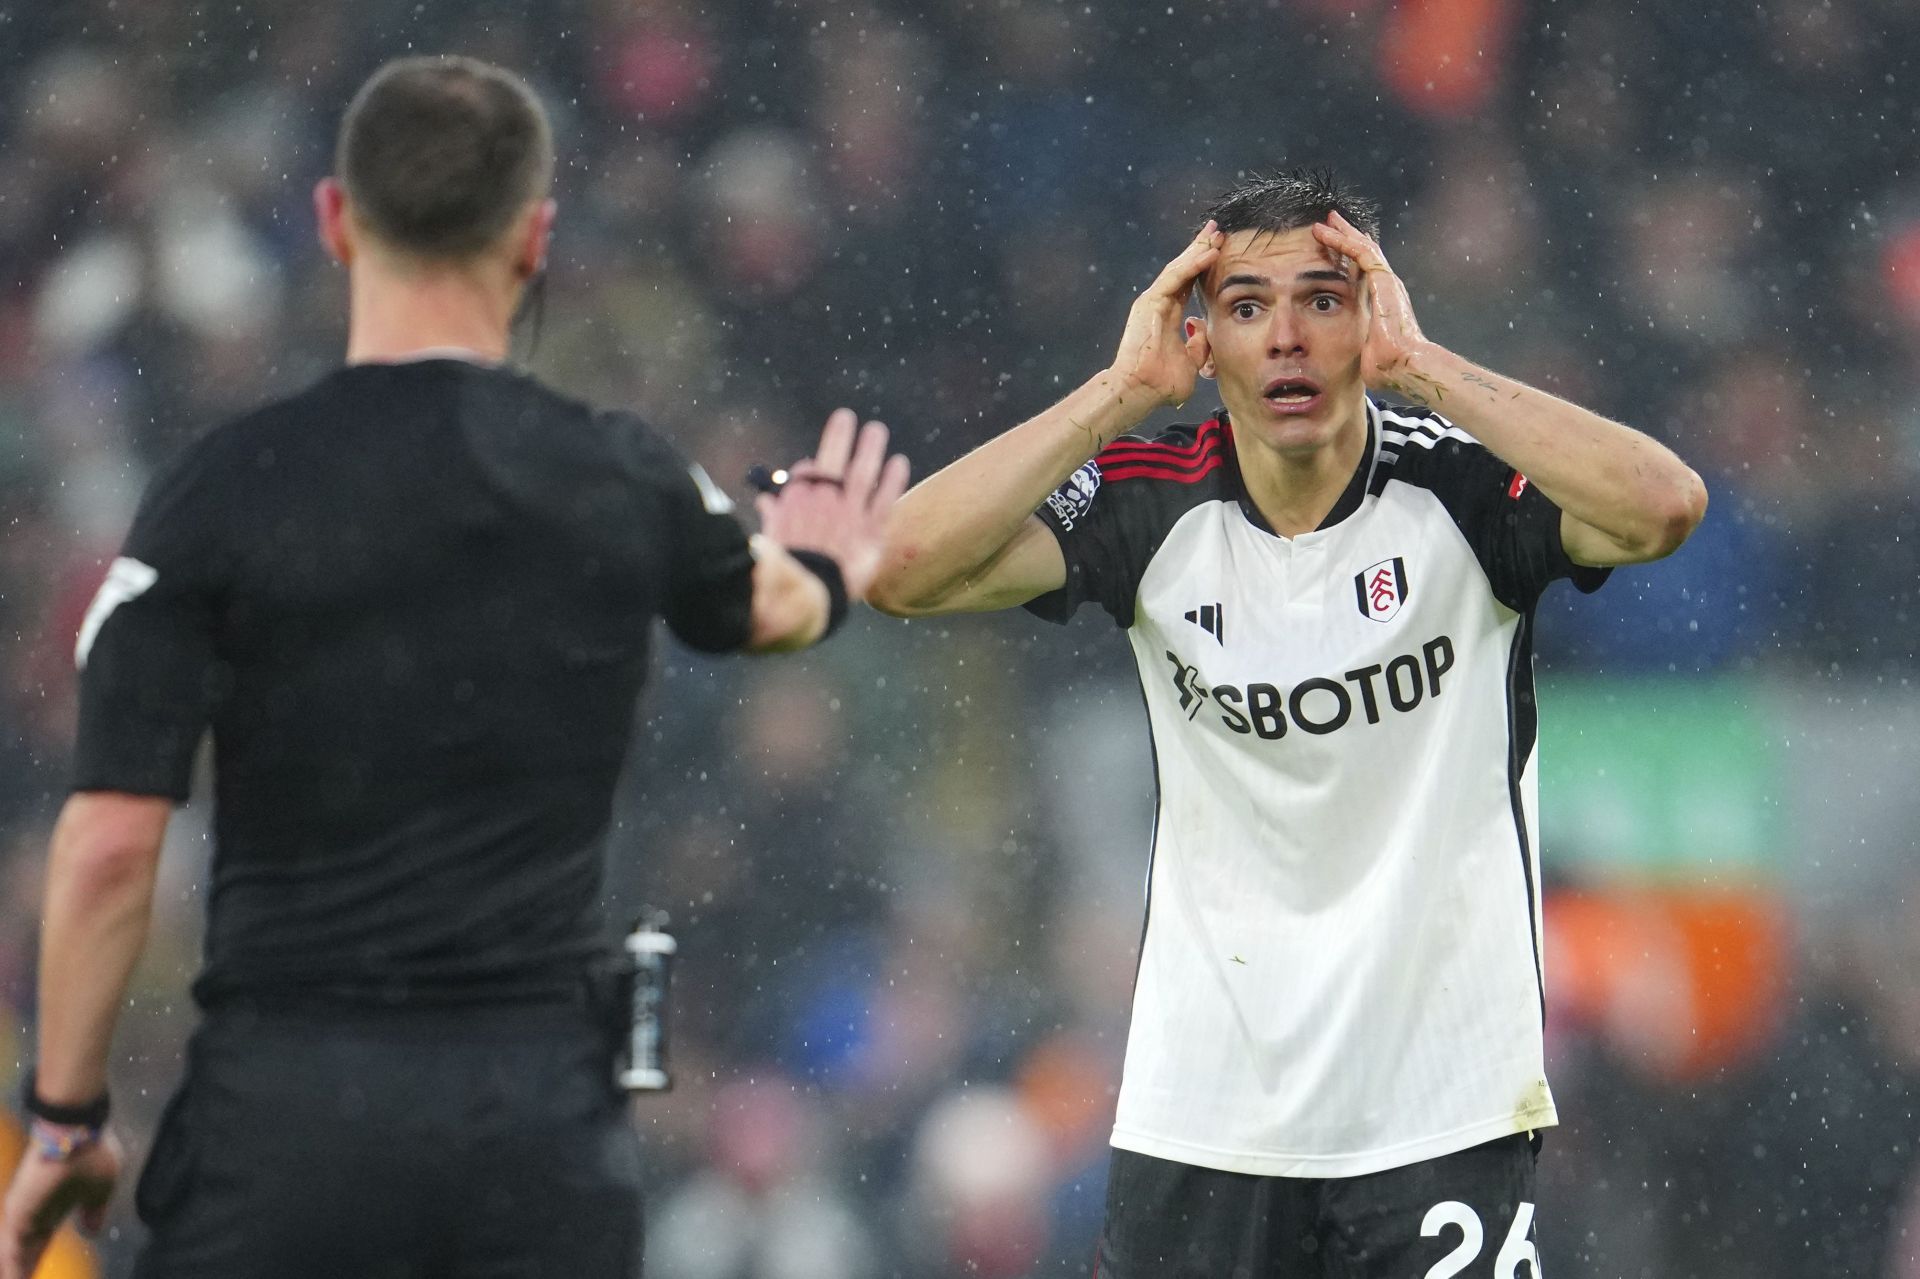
(1290, 200)
(439, 155)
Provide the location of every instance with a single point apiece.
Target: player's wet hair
(440, 154)
(1288, 201)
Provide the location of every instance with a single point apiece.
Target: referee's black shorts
(1469, 1214)
(418, 1144)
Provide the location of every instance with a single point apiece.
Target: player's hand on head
(45, 1191)
(1154, 354)
(1393, 335)
(837, 501)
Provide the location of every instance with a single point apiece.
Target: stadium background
(906, 869)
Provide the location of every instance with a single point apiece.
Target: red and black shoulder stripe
(1180, 454)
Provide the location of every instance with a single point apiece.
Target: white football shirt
(1340, 971)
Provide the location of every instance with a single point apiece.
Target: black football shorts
(432, 1144)
(1462, 1216)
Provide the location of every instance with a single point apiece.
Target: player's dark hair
(440, 154)
(1288, 201)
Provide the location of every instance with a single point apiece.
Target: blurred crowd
(905, 870)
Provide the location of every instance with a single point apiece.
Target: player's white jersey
(1340, 971)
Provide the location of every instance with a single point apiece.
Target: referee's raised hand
(837, 501)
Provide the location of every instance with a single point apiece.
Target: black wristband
(827, 569)
(91, 1115)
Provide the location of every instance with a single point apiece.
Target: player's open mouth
(1291, 394)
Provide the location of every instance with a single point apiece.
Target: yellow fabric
(69, 1257)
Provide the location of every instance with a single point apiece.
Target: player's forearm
(1613, 477)
(99, 899)
(959, 519)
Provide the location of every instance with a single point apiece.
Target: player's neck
(1296, 488)
(395, 314)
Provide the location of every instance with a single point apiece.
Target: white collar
(466, 353)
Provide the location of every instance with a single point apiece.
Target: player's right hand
(1154, 355)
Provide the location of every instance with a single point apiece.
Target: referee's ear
(330, 218)
(531, 256)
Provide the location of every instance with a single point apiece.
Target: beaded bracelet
(61, 1142)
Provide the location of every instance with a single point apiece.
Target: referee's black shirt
(413, 604)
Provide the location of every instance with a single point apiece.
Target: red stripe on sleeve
(1161, 471)
(1208, 437)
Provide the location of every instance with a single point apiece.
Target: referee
(413, 605)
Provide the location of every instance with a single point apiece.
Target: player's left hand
(44, 1191)
(1393, 335)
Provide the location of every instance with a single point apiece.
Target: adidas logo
(1212, 619)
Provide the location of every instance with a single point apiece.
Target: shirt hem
(1356, 1164)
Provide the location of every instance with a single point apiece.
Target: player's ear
(331, 221)
(1199, 347)
(532, 256)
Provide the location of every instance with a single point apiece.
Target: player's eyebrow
(1258, 281)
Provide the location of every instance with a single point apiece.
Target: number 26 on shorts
(1507, 1264)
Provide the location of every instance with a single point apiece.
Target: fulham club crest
(1381, 589)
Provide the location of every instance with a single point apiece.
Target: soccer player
(1335, 1061)
(413, 603)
